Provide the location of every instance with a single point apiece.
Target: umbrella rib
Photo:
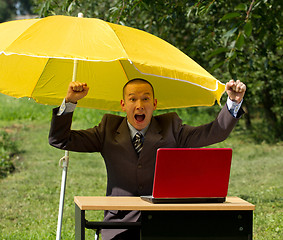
(124, 69)
(119, 41)
(30, 20)
(67, 58)
(39, 78)
(181, 80)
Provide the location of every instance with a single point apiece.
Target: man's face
(139, 104)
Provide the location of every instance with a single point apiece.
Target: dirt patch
(12, 129)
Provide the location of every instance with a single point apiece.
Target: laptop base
(151, 199)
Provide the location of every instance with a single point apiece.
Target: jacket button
(139, 166)
(140, 187)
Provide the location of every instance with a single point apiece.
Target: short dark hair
(137, 79)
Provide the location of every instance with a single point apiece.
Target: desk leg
(79, 223)
(196, 225)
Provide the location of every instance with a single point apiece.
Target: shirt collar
(133, 131)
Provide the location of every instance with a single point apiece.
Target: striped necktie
(138, 142)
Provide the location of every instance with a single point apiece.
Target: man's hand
(76, 91)
(235, 90)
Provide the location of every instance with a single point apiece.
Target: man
(130, 159)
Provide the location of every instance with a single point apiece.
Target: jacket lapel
(152, 137)
(124, 139)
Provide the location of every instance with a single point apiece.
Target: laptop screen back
(192, 173)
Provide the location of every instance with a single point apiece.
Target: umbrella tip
(80, 15)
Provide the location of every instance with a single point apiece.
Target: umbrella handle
(64, 161)
(75, 70)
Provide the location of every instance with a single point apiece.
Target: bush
(8, 149)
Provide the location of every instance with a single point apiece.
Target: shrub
(8, 149)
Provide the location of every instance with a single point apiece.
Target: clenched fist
(235, 90)
(76, 91)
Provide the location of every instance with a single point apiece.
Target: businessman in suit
(128, 144)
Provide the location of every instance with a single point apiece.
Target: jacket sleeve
(61, 136)
(211, 133)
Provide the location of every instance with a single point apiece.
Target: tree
(10, 8)
(7, 10)
(99, 8)
(232, 39)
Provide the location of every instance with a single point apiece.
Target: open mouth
(139, 117)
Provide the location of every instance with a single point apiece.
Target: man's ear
(122, 103)
(155, 103)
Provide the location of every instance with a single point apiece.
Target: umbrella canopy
(37, 58)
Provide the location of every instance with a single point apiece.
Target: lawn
(30, 196)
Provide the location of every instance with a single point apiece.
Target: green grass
(30, 196)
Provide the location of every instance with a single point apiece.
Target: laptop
(191, 175)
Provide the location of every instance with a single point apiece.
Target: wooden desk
(232, 220)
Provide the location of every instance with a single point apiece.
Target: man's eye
(132, 99)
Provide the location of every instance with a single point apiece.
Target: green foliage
(8, 149)
(98, 9)
(10, 8)
(7, 11)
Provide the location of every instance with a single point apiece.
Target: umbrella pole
(64, 161)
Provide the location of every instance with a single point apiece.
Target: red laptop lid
(192, 173)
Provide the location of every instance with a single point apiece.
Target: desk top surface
(136, 203)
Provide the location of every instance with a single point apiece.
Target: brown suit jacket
(128, 174)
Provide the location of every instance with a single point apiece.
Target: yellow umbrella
(37, 58)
